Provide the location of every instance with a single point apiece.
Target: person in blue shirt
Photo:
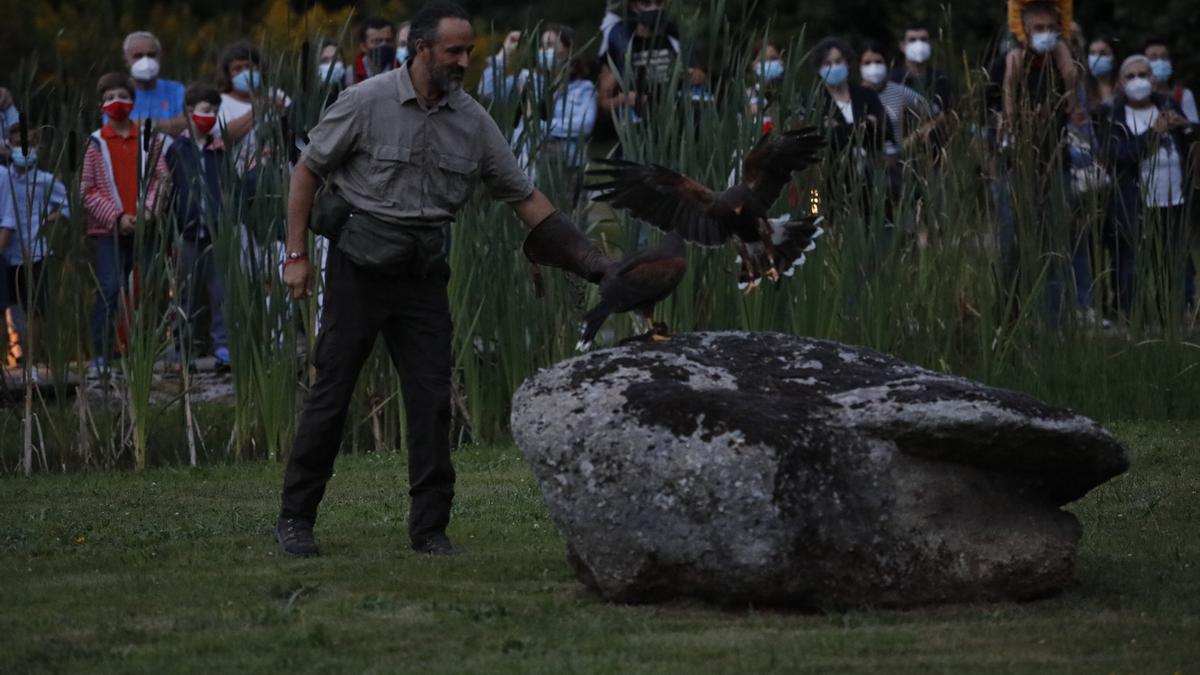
(156, 98)
(30, 201)
(559, 95)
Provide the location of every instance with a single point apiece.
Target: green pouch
(394, 249)
(329, 213)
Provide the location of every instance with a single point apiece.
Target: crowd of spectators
(1097, 115)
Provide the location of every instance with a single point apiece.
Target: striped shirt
(905, 108)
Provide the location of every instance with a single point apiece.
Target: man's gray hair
(141, 35)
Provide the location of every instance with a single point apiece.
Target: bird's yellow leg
(764, 231)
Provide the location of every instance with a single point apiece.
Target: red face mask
(204, 121)
(117, 109)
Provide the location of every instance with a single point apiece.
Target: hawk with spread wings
(673, 202)
(688, 211)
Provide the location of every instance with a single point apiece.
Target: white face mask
(1043, 42)
(144, 69)
(874, 73)
(918, 51)
(1138, 89)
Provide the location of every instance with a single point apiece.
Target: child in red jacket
(118, 200)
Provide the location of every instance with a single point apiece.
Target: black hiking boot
(295, 537)
(438, 544)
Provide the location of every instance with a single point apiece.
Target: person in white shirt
(31, 200)
(1148, 138)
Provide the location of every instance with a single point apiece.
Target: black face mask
(650, 17)
(383, 56)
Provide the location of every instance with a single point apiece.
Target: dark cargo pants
(414, 316)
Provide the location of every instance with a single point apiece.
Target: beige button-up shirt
(393, 158)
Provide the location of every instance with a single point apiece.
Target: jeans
(414, 316)
(114, 265)
(1056, 285)
(197, 267)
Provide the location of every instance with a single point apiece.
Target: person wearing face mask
(1040, 74)
(1040, 102)
(199, 180)
(1100, 56)
(567, 97)
(118, 200)
(906, 108)
(157, 98)
(854, 114)
(639, 53)
(766, 74)
(331, 72)
(31, 202)
(1147, 139)
(245, 102)
(379, 49)
(918, 73)
(1159, 53)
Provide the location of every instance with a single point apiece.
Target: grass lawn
(174, 571)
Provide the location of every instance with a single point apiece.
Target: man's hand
(296, 275)
(126, 224)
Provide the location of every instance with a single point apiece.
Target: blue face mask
(402, 54)
(1044, 42)
(333, 73)
(770, 70)
(22, 160)
(1161, 69)
(1100, 64)
(835, 75)
(247, 80)
(547, 58)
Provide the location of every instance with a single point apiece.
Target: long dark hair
(577, 68)
(238, 51)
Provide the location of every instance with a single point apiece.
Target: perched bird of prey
(673, 202)
(637, 283)
(688, 211)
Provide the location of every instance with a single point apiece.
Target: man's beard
(448, 79)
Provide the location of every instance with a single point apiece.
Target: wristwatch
(295, 257)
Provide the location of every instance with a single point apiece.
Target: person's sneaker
(221, 354)
(295, 537)
(97, 369)
(438, 544)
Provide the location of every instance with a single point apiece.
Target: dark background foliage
(77, 39)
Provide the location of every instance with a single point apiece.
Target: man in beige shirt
(404, 150)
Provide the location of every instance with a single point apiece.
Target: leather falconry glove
(557, 242)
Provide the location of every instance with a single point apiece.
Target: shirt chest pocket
(389, 167)
(455, 175)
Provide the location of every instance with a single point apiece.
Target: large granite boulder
(776, 470)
